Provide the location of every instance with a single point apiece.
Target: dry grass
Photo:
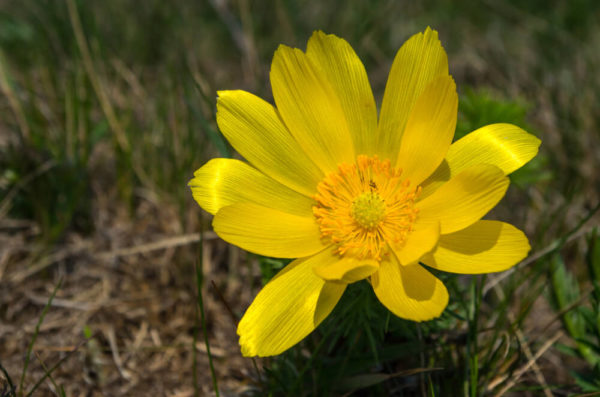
(125, 286)
(135, 125)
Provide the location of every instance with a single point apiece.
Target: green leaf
(87, 331)
(593, 258)
(588, 383)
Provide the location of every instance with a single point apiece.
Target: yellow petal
(464, 199)
(410, 292)
(329, 266)
(222, 182)
(256, 131)
(310, 108)
(484, 247)
(268, 232)
(506, 146)
(345, 72)
(429, 130)
(418, 243)
(418, 62)
(328, 298)
(286, 310)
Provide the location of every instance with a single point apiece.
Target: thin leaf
(36, 332)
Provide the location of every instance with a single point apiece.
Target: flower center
(368, 210)
(364, 206)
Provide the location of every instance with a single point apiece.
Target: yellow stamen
(365, 206)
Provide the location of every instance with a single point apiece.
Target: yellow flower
(355, 196)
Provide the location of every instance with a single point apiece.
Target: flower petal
(484, 247)
(266, 231)
(418, 243)
(506, 146)
(345, 72)
(329, 266)
(429, 130)
(310, 108)
(464, 199)
(222, 182)
(410, 292)
(418, 62)
(255, 130)
(286, 310)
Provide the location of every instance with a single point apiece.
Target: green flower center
(368, 210)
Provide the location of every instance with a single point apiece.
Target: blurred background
(108, 107)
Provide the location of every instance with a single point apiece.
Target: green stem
(199, 282)
(35, 334)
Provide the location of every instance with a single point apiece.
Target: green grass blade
(48, 375)
(35, 334)
(54, 367)
(199, 283)
(11, 386)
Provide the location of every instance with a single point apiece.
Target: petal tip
(431, 34)
(247, 349)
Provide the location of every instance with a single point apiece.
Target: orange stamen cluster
(365, 206)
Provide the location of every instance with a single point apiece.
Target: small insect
(373, 185)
